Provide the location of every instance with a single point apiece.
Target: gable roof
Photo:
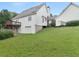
(29, 11)
(68, 7)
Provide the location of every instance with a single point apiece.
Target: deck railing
(16, 23)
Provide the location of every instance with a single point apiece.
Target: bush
(6, 34)
(73, 23)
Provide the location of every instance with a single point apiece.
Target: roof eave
(67, 7)
(24, 16)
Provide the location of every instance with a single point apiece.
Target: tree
(6, 15)
(12, 14)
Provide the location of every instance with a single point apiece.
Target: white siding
(72, 13)
(38, 28)
(40, 13)
(35, 24)
(27, 26)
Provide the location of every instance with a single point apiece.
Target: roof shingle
(29, 11)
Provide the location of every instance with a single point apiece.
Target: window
(29, 18)
(27, 26)
(43, 19)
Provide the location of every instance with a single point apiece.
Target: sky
(55, 7)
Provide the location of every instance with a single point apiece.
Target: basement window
(27, 26)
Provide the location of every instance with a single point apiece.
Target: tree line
(6, 15)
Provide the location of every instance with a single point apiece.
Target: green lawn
(63, 41)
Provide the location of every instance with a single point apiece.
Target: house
(33, 19)
(70, 13)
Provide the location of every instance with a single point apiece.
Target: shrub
(73, 23)
(6, 34)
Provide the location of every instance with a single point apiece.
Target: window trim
(27, 26)
(29, 18)
(43, 19)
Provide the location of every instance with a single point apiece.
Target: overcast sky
(56, 7)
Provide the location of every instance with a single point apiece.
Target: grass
(62, 41)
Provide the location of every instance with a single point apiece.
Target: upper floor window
(29, 18)
(43, 19)
(47, 17)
